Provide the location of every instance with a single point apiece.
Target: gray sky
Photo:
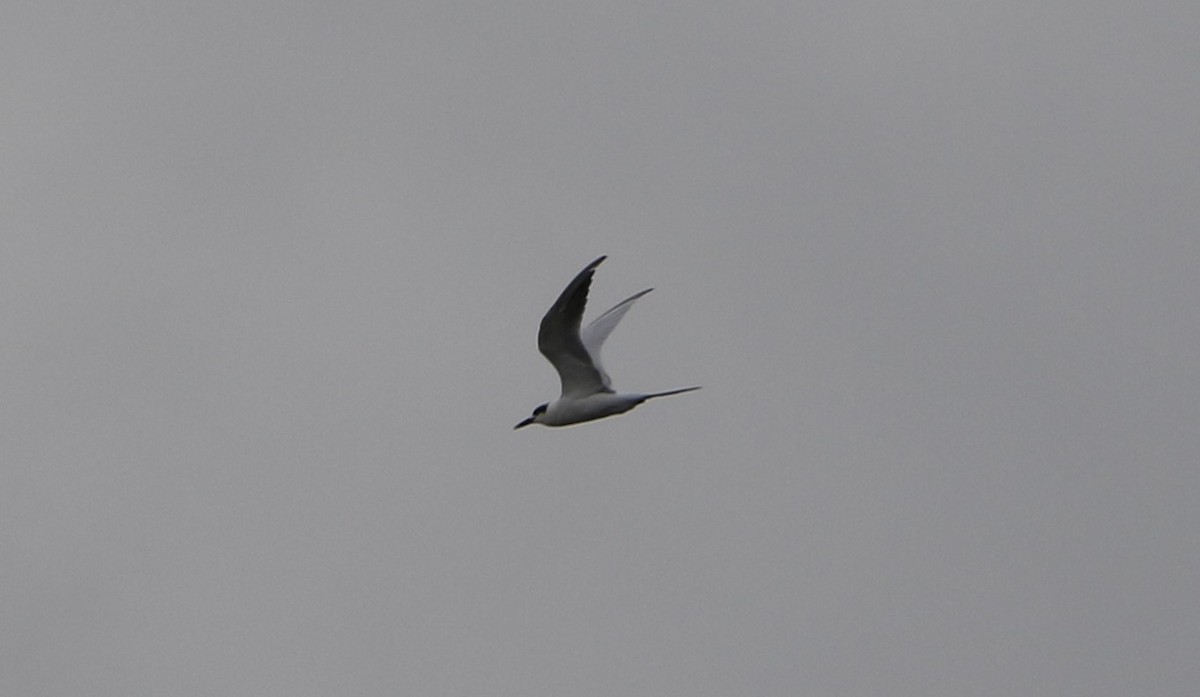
(270, 281)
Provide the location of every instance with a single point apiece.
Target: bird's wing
(597, 331)
(559, 342)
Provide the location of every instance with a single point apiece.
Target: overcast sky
(270, 280)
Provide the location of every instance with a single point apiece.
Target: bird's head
(538, 411)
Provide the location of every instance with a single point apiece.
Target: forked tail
(669, 393)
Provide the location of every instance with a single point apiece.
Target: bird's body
(564, 412)
(587, 392)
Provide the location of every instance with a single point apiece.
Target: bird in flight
(587, 392)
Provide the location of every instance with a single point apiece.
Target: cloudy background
(270, 279)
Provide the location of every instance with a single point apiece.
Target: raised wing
(597, 331)
(560, 343)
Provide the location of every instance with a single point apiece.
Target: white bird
(587, 392)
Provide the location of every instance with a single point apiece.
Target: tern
(587, 392)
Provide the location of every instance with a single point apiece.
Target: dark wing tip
(566, 314)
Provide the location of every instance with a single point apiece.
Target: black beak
(524, 423)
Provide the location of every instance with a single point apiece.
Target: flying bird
(587, 392)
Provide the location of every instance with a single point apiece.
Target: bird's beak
(524, 423)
